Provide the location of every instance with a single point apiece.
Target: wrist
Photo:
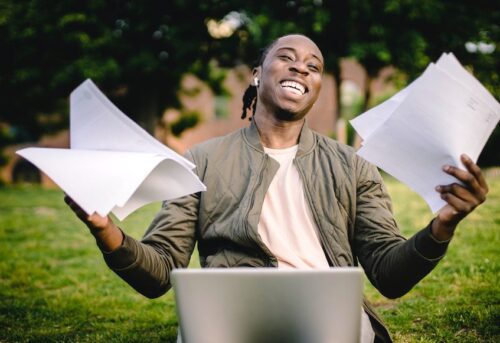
(108, 238)
(442, 232)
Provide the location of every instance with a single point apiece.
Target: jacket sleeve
(392, 263)
(167, 244)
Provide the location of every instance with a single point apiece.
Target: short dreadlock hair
(250, 95)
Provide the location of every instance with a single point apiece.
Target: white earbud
(256, 82)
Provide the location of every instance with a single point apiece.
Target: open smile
(294, 87)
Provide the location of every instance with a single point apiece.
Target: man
(279, 194)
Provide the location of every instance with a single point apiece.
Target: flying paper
(444, 113)
(113, 165)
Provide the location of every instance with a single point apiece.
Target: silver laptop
(260, 305)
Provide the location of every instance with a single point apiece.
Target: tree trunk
(143, 106)
(149, 111)
(367, 94)
(337, 91)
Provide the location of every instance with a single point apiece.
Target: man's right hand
(108, 236)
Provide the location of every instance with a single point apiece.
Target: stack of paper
(113, 164)
(444, 113)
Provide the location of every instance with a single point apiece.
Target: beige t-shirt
(286, 224)
(287, 228)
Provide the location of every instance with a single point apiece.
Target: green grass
(54, 285)
(460, 300)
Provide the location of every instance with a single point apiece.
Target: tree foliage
(406, 34)
(137, 51)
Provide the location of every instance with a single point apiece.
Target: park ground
(55, 287)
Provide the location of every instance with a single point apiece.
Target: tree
(433, 27)
(405, 34)
(135, 51)
(323, 22)
(138, 51)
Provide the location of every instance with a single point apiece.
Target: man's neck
(278, 134)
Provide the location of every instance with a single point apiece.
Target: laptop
(261, 305)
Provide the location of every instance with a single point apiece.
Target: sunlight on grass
(54, 281)
(459, 301)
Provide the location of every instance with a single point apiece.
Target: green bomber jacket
(346, 195)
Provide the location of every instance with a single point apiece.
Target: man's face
(290, 77)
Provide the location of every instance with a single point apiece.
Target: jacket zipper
(330, 253)
(271, 259)
(331, 256)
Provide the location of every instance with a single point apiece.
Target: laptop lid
(249, 305)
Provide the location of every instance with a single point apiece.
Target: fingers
(459, 192)
(94, 222)
(80, 213)
(474, 182)
(467, 178)
(72, 204)
(460, 206)
(474, 170)
(463, 198)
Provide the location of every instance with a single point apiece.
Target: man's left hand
(461, 199)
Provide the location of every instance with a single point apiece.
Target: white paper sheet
(369, 121)
(113, 164)
(445, 112)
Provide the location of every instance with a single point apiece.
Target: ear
(256, 72)
(256, 76)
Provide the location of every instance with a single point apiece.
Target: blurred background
(179, 68)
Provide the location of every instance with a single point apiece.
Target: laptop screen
(249, 305)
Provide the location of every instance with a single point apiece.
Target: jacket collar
(306, 139)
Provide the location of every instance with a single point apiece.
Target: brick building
(218, 115)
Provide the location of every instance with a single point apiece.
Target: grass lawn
(54, 285)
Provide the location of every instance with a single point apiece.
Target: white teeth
(294, 87)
